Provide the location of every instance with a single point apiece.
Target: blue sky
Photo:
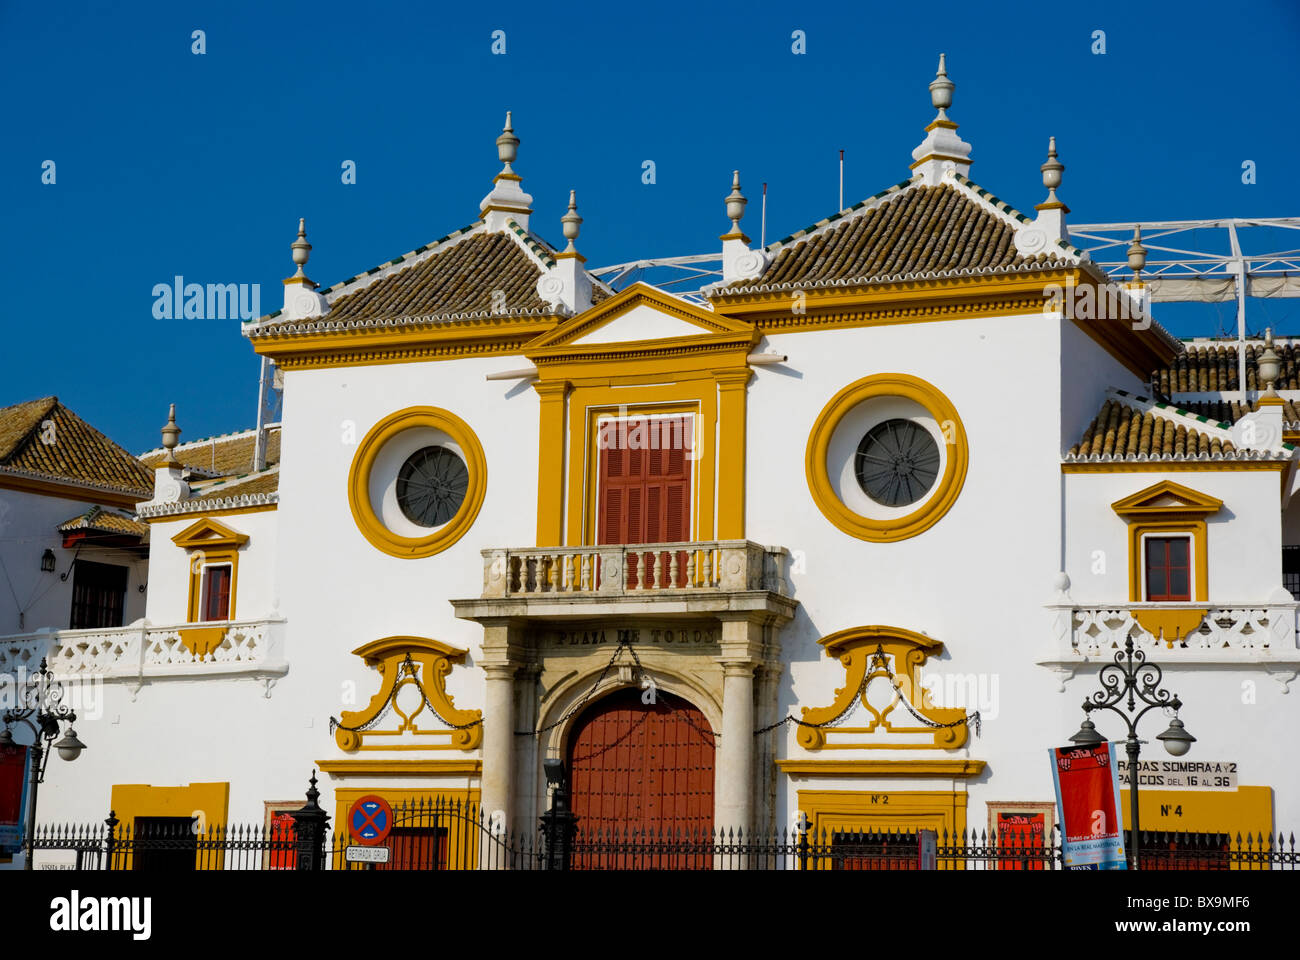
(173, 163)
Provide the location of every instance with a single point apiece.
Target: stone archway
(641, 768)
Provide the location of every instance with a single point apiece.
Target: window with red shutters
(216, 593)
(1168, 568)
(644, 487)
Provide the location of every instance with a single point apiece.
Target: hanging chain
(407, 667)
(877, 660)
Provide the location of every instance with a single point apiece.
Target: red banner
(13, 796)
(1087, 795)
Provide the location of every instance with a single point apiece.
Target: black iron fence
(450, 834)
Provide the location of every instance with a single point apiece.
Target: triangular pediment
(209, 533)
(1167, 497)
(640, 314)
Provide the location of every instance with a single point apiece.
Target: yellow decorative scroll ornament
(906, 651)
(414, 679)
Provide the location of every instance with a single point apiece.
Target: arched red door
(641, 767)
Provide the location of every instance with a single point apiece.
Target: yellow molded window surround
(375, 470)
(433, 829)
(840, 428)
(584, 381)
(831, 814)
(211, 545)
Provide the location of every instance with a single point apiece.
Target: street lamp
(38, 702)
(1130, 682)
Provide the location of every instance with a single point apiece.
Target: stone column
(742, 647)
(502, 657)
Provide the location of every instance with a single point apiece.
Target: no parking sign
(369, 820)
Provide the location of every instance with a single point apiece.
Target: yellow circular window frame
(948, 487)
(363, 512)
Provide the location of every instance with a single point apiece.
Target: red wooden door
(644, 487)
(639, 769)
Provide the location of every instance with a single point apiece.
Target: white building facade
(845, 541)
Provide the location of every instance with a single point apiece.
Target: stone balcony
(699, 578)
(143, 652)
(1249, 635)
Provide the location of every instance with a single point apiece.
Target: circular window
(886, 458)
(897, 462)
(431, 486)
(417, 482)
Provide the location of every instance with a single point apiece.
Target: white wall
(28, 526)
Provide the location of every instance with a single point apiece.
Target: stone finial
(735, 203)
(1137, 254)
(170, 432)
(1052, 171)
(1270, 365)
(941, 89)
(571, 222)
(301, 249)
(507, 201)
(942, 153)
(507, 145)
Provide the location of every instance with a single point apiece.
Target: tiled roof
(1120, 431)
(227, 455)
(268, 481)
(916, 230)
(1232, 411)
(68, 450)
(1207, 367)
(468, 273)
(105, 521)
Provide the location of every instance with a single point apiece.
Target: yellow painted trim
(732, 390)
(416, 343)
(209, 543)
(435, 660)
(586, 408)
(832, 811)
(470, 767)
(550, 462)
(208, 801)
(948, 487)
(1145, 515)
(363, 512)
(855, 648)
(956, 768)
(69, 491)
(1170, 466)
(1170, 625)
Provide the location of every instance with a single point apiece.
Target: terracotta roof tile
(105, 521)
(267, 481)
(69, 449)
(1122, 431)
(1203, 368)
(922, 230)
(228, 455)
(1232, 411)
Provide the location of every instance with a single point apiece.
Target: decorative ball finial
(735, 202)
(941, 89)
(571, 222)
(1052, 171)
(301, 248)
(1270, 364)
(1137, 254)
(507, 145)
(170, 432)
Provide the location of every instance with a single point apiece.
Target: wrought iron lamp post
(38, 702)
(1131, 689)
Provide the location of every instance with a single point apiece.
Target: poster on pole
(1087, 799)
(13, 797)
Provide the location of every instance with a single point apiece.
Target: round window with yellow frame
(886, 457)
(417, 482)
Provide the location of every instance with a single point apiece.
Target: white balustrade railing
(657, 568)
(144, 650)
(1243, 629)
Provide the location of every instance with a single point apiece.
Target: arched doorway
(636, 767)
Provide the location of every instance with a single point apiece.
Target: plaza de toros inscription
(692, 637)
